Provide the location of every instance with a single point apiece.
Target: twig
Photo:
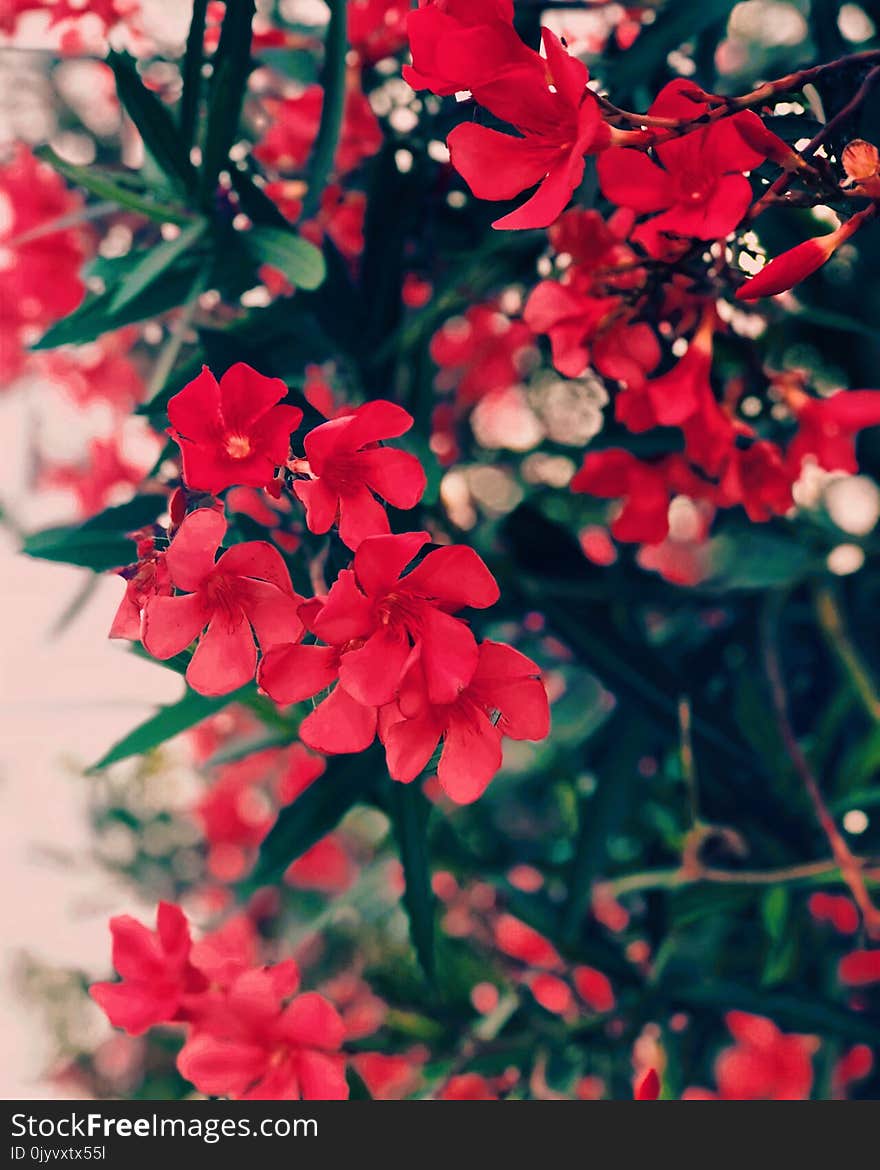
(833, 625)
(779, 185)
(850, 867)
(678, 878)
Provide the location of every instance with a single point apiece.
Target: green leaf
(601, 815)
(828, 319)
(232, 64)
(346, 781)
(774, 912)
(107, 186)
(168, 721)
(155, 263)
(101, 543)
(300, 261)
(97, 315)
(762, 561)
(254, 201)
(332, 80)
(410, 811)
(192, 73)
(154, 122)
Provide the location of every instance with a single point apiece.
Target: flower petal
(471, 756)
(339, 724)
(293, 673)
(225, 658)
(171, 623)
(190, 557)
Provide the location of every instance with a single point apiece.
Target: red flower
(340, 215)
(377, 28)
(765, 1064)
(827, 428)
(559, 125)
(327, 867)
(287, 143)
(645, 488)
(157, 975)
(248, 587)
(232, 433)
(235, 814)
(525, 944)
(860, 968)
(699, 190)
(377, 621)
(262, 1045)
(461, 45)
(483, 350)
(582, 313)
(756, 478)
(106, 475)
(100, 371)
(674, 397)
(505, 696)
(594, 988)
(347, 466)
(468, 1087)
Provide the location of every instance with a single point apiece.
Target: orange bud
(861, 160)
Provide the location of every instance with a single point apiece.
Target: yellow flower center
(238, 446)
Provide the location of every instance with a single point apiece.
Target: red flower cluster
(400, 662)
(584, 313)
(250, 1034)
(39, 276)
(764, 1064)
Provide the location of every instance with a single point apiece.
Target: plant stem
(833, 625)
(333, 83)
(850, 867)
(678, 878)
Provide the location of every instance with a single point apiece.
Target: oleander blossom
(232, 433)
(695, 187)
(376, 620)
(251, 1034)
(348, 469)
(505, 696)
(559, 121)
(245, 594)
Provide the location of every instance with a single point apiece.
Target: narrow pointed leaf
(155, 264)
(300, 261)
(410, 811)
